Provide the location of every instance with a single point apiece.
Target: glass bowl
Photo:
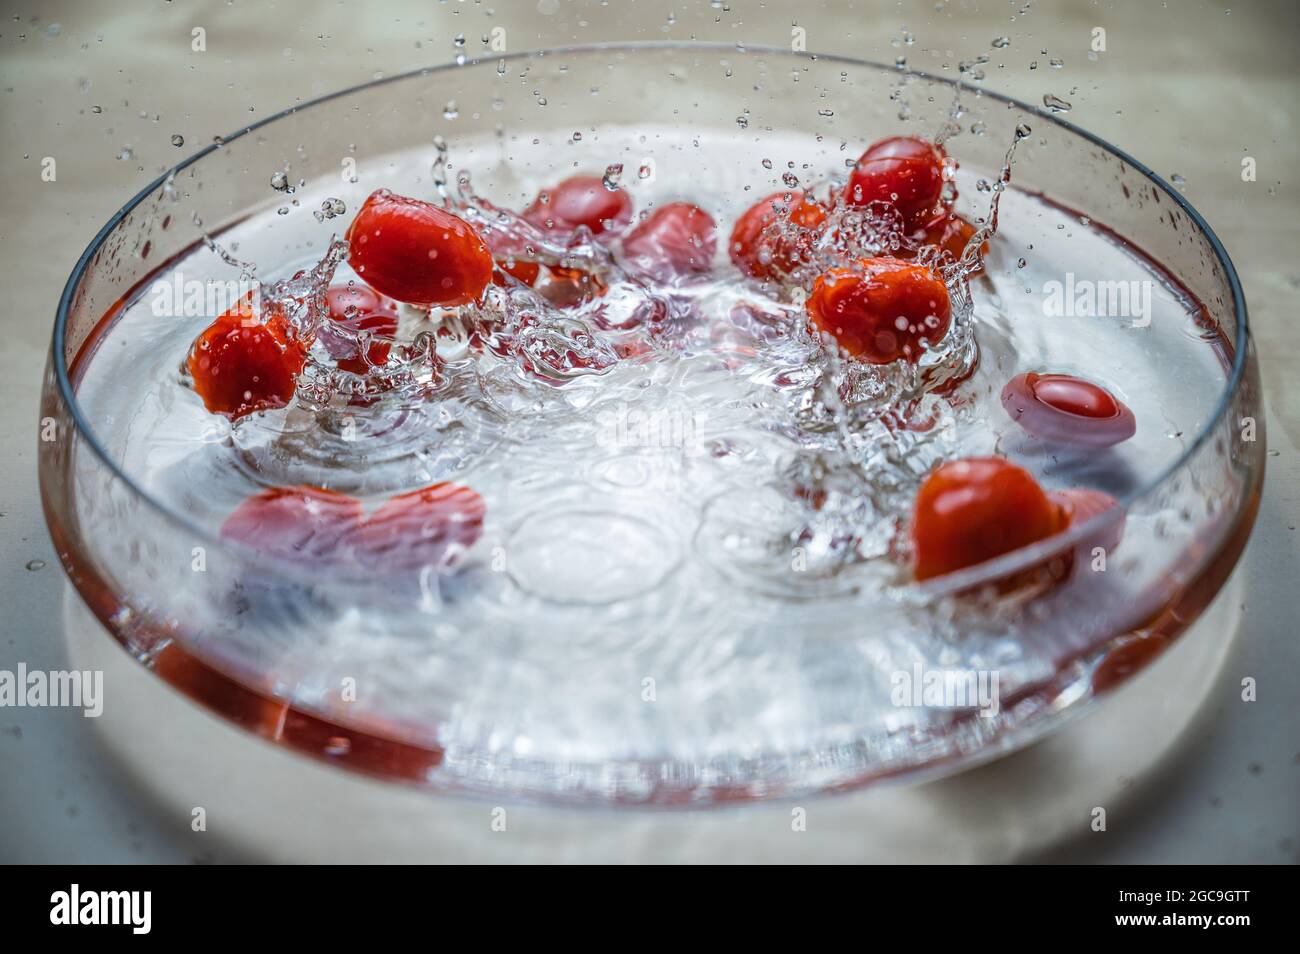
(796, 689)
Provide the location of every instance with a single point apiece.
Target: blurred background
(117, 93)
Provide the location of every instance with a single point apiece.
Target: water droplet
(1055, 63)
(178, 140)
(644, 172)
(613, 173)
(450, 111)
(127, 154)
(34, 565)
(280, 182)
(1021, 263)
(742, 121)
(1178, 181)
(983, 185)
(96, 109)
(767, 163)
(1056, 104)
(1001, 42)
(790, 179)
(1023, 132)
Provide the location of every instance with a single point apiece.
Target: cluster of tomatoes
(878, 310)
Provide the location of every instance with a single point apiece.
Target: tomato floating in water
(776, 235)
(903, 172)
(883, 310)
(416, 252)
(950, 233)
(581, 201)
(240, 365)
(673, 242)
(1064, 409)
(972, 510)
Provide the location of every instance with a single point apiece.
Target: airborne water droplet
(178, 140)
(613, 173)
(1056, 104)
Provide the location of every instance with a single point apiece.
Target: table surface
(1188, 87)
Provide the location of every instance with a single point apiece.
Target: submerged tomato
(776, 235)
(904, 172)
(416, 252)
(1064, 409)
(674, 241)
(294, 523)
(240, 365)
(973, 510)
(951, 234)
(355, 308)
(882, 310)
(432, 526)
(579, 201)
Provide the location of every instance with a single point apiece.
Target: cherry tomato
(1080, 505)
(356, 308)
(518, 268)
(240, 365)
(904, 172)
(952, 233)
(300, 523)
(775, 236)
(674, 241)
(882, 310)
(581, 200)
(432, 526)
(1065, 409)
(416, 252)
(972, 510)
(571, 287)
(352, 299)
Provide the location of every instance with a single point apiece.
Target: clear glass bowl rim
(982, 574)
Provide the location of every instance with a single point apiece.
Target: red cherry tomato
(432, 526)
(883, 310)
(240, 365)
(352, 299)
(518, 268)
(304, 524)
(356, 308)
(904, 172)
(776, 235)
(571, 287)
(972, 510)
(674, 241)
(952, 233)
(1064, 409)
(581, 200)
(1080, 505)
(416, 252)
